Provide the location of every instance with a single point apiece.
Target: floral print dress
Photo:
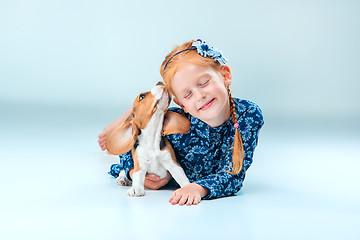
(205, 153)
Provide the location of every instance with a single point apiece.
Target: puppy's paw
(136, 191)
(123, 181)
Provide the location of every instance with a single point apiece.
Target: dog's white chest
(142, 132)
(152, 159)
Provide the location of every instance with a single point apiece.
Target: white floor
(304, 184)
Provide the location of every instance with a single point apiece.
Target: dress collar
(202, 126)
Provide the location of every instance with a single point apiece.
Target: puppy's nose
(160, 83)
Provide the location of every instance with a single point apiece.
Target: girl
(219, 147)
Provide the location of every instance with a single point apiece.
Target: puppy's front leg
(178, 174)
(122, 180)
(174, 168)
(137, 188)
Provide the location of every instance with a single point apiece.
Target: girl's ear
(226, 73)
(122, 139)
(179, 103)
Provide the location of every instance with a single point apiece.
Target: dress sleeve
(222, 183)
(126, 163)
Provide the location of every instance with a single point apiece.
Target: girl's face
(201, 91)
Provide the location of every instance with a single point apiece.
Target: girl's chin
(209, 115)
(213, 116)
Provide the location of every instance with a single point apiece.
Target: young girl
(219, 147)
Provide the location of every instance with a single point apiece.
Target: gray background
(297, 59)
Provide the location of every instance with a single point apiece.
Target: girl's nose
(200, 94)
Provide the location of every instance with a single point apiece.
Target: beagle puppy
(144, 134)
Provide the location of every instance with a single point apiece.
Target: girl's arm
(223, 183)
(212, 186)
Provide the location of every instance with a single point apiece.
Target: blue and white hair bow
(207, 51)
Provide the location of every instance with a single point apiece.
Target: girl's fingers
(102, 136)
(172, 196)
(102, 140)
(102, 146)
(197, 200)
(183, 200)
(175, 200)
(190, 200)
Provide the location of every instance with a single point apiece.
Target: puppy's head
(146, 104)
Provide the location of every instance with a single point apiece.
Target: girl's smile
(207, 105)
(201, 91)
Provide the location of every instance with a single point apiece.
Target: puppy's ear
(175, 123)
(122, 139)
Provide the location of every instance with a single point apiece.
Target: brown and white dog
(144, 134)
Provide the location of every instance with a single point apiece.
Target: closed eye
(187, 95)
(204, 83)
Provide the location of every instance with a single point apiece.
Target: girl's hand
(111, 127)
(191, 194)
(152, 181)
(102, 138)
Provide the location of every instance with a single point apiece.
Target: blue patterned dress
(205, 153)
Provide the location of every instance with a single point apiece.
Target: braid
(232, 106)
(238, 151)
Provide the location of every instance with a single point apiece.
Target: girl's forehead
(192, 71)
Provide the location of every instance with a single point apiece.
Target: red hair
(174, 62)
